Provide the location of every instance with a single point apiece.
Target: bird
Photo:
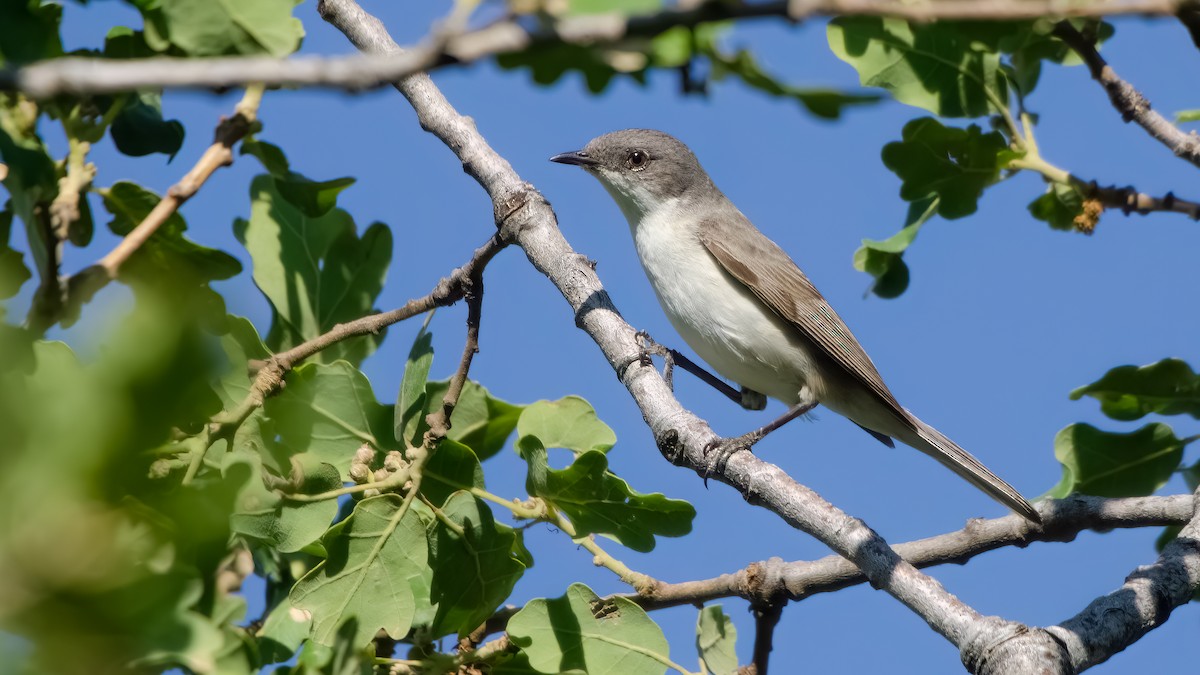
(745, 307)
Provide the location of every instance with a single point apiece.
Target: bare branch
(449, 290)
(1062, 520)
(524, 217)
(1113, 622)
(74, 75)
(766, 618)
(87, 282)
(1133, 106)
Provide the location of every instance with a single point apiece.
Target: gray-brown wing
(756, 261)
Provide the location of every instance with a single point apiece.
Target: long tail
(933, 443)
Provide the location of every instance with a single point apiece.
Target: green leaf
(884, 259)
(582, 631)
(123, 42)
(139, 129)
(569, 422)
(941, 67)
(411, 403)
(716, 639)
(1107, 464)
(330, 411)
(473, 566)
(167, 258)
(229, 27)
(1188, 116)
(371, 555)
(955, 164)
(1126, 393)
(29, 31)
(1059, 206)
(269, 154)
(13, 272)
(599, 502)
(453, 467)
(480, 421)
(282, 632)
(284, 524)
(315, 270)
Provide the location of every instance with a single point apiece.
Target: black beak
(577, 158)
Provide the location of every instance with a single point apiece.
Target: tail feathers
(962, 463)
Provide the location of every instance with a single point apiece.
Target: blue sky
(1003, 318)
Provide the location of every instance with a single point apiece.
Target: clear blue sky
(1002, 319)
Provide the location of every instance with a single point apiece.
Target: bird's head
(641, 168)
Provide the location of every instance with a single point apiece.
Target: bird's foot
(651, 348)
(718, 451)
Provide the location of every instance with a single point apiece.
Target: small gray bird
(745, 308)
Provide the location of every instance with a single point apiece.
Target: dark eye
(638, 160)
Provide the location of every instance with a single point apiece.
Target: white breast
(716, 315)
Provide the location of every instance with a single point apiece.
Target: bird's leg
(747, 398)
(726, 447)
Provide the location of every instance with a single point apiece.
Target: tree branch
(74, 75)
(84, 284)
(1145, 601)
(1133, 106)
(449, 290)
(525, 217)
(1063, 519)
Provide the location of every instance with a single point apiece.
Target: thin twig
(1133, 106)
(449, 290)
(83, 285)
(766, 618)
(76, 76)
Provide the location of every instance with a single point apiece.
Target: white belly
(719, 318)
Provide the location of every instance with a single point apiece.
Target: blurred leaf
(473, 566)
(1059, 207)
(411, 402)
(1126, 393)
(480, 421)
(139, 129)
(569, 422)
(941, 67)
(579, 630)
(329, 411)
(224, 27)
(884, 259)
(284, 524)
(13, 271)
(1188, 116)
(315, 270)
(32, 178)
(453, 467)
(1107, 464)
(167, 259)
(955, 164)
(822, 102)
(123, 42)
(716, 639)
(29, 31)
(371, 554)
(599, 502)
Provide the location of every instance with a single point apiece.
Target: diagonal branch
(84, 284)
(449, 290)
(525, 217)
(74, 75)
(1144, 602)
(1133, 106)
